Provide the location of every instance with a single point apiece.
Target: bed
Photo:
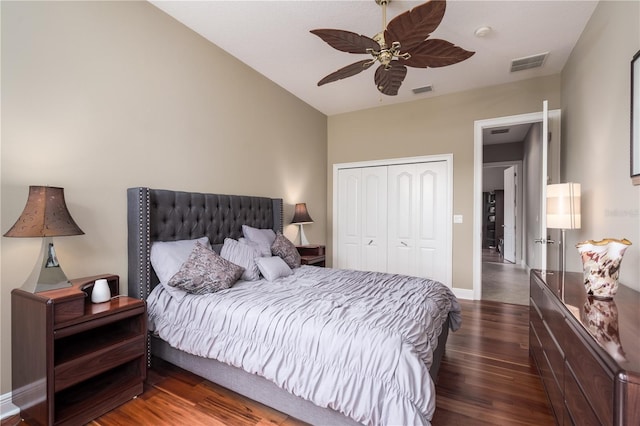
(165, 215)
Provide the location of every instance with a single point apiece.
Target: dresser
(587, 351)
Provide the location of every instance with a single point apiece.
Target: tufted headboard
(163, 215)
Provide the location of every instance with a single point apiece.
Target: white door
(509, 237)
(362, 219)
(349, 219)
(547, 242)
(374, 219)
(417, 203)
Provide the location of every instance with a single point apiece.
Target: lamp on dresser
(563, 211)
(301, 217)
(46, 216)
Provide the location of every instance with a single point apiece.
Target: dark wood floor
(486, 378)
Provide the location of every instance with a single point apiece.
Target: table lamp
(563, 211)
(301, 217)
(46, 216)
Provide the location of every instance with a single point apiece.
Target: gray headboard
(164, 215)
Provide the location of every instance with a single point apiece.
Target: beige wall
(438, 125)
(101, 96)
(596, 111)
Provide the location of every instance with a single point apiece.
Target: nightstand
(312, 255)
(73, 360)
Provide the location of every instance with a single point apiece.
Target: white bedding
(360, 343)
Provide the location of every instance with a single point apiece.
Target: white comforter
(360, 343)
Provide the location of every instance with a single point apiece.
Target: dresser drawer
(579, 409)
(596, 381)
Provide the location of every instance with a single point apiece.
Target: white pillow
(263, 248)
(168, 256)
(259, 235)
(243, 255)
(273, 267)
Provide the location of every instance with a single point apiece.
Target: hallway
(503, 281)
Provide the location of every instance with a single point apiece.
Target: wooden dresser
(587, 351)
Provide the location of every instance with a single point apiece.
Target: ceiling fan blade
(347, 41)
(435, 53)
(414, 26)
(348, 71)
(388, 81)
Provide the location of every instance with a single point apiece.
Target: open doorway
(540, 166)
(504, 276)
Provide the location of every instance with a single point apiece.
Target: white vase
(101, 292)
(601, 265)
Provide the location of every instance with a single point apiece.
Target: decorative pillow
(259, 235)
(205, 272)
(273, 267)
(243, 255)
(263, 248)
(168, 256)
(286, 250)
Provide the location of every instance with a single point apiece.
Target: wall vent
(528, 62)
(423, 89)
(499, 131)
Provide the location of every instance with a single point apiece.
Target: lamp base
(303, 238)
(47, 273)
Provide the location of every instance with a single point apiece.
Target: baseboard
(7, 408)
(463, 293)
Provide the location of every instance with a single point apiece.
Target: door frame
(478, 127)
(448, 158)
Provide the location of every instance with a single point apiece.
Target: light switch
(457, 218)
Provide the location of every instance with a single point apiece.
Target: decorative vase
(101, 292)
(601, 265)
(601, 319)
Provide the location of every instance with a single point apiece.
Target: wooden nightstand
(312, 255)
(73, 360)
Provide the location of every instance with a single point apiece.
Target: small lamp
(301, 217)
(45, 215)
(563, 210)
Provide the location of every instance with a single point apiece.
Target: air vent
(423, 89)
(499, 131)
(529, 62)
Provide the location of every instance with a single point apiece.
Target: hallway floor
(503, 281)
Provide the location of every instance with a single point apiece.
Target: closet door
(417, 197)
(374, 219)
(349, 219)
(362, 219)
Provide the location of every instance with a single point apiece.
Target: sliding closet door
(362, 219)
(417, 197)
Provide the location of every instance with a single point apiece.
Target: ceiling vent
(529, 62)
(423, 89)
(499, 131)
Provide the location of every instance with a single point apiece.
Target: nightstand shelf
(73, 360)
(312, 255)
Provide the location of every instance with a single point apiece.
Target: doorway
(531, 203)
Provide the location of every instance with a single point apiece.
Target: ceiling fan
(403, 43)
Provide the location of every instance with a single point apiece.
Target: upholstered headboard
(163, 215)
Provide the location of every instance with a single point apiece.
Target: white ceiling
(273, 38)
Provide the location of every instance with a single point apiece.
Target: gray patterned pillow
(205, 272)
(286, 250)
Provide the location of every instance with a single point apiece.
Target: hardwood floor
(486, 378)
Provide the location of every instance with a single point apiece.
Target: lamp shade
(563, 206)
(301, 215)
(45, 215)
